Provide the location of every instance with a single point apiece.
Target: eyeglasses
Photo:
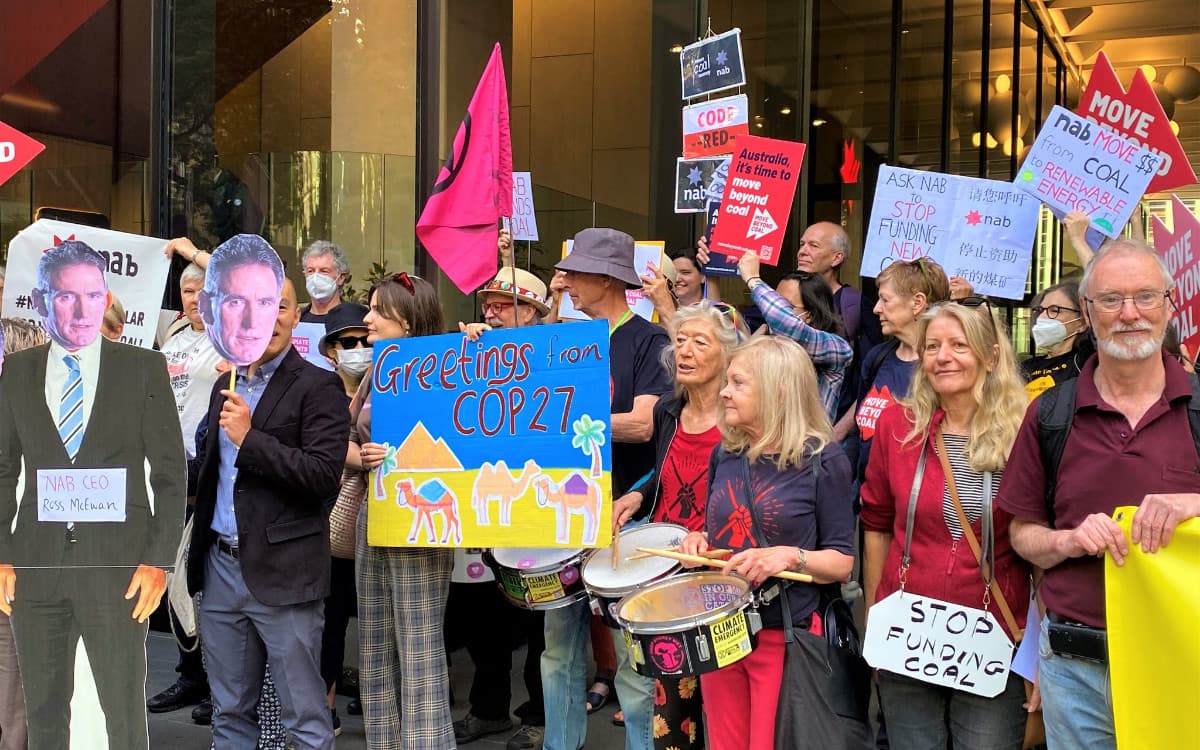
(349, 342)
(730, 313)
(497, 307)
(1143, 300)
(1051, 311)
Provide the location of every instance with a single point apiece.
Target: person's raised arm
(184, 248)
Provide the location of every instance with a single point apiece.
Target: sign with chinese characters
(981, 230)
(1076, 165)
(523, 223)
(712, 64)
(698, 181)
(503, 442)
(1137, 115)
(1180, 248)
(136, 273)
(711, 128)
(16, 150)
(758, 197)
(940, 643)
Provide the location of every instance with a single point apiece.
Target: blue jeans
(1076, 700)
(564, 670)
(921, 716)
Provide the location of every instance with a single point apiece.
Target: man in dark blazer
(71, 575)
(269, 468)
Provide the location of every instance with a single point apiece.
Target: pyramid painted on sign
(420, 452)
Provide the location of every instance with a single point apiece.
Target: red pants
(741, 699)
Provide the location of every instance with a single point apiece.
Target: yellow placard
(1153, 608)
(731, 640)
(545, 588)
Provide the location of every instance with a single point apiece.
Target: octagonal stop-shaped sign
(16, 150)
(939, 642)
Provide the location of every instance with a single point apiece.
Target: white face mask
(1049, 333)
(320, 287)
(354, 362)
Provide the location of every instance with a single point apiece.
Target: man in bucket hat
(597, 273)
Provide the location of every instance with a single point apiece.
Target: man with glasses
(1127, 441)
(513, 298)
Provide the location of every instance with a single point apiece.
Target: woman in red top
(685, 434)
(967, 396)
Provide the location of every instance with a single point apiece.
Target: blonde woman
(963, 410)
(775, 432)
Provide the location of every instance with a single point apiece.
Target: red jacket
(941, 567)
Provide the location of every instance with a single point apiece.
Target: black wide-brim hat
(341, 318)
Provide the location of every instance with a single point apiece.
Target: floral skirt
(678, 714)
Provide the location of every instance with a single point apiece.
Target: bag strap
(985, 569)
(918, 477)
(1055, 413)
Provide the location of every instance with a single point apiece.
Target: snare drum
(689, 624)
(606, 586)
(540, 578)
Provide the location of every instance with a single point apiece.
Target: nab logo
(974, 218)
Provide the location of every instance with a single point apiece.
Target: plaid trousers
(403, 683)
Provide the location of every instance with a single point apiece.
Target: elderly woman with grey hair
(685, 433)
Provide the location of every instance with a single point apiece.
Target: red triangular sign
(16, 150)
(1139, 116)
(1181, 250)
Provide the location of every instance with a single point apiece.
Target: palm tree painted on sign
(388, 465)
(589, 436)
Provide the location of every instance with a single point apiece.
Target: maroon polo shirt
(1105, 464)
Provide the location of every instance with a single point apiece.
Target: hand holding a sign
(8, 588)
(658, 290)
(235, 417)
(149, 583)
(748, 266)
(1094, 536)
(473, 330)
(1155, 520)
(505, 246)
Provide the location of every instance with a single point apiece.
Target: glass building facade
(328, 119)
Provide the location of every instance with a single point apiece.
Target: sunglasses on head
(403, 280)
(730, 313)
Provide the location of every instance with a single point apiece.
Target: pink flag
(474, 188)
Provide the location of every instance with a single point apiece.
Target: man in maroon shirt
(1129, 444)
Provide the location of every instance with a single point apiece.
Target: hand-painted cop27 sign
(504, 442)
(712, 64)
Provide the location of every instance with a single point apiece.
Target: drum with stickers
(539, 578)
(606, 586)
(689, 624)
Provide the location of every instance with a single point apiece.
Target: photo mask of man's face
(73, 307)
(240, 314)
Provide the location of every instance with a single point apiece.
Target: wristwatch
(801, 560)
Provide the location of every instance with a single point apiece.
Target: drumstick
(616, 554)
(697, 559)
(712, 554)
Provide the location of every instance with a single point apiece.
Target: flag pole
(513, 268)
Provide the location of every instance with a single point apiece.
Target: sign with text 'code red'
(710, 128)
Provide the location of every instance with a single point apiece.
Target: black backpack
(1056, 412)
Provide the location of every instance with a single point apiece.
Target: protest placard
(1137, 115)
(712, 64)
(645, 252)
(523, 223)
(16, 150)
(938, 642)
(1154, 671)
(137, 273)
(719, 264)
(698, 181)
(981, 230)
(711, 128)
(758, 198)
(81, 495)
(306, 338)
(1076, 165)
(1180, 248)
(504, 442)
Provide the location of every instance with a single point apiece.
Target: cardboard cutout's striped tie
(70, 411)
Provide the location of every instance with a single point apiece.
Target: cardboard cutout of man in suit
(269, 469)
(68, 408)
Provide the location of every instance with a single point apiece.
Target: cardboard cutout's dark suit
(68, 589)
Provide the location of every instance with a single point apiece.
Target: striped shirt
(969, 484)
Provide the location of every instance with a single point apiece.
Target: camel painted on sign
(432, 497)
(574, 496)
(496, 482)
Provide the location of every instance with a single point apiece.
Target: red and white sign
(16, 150)
(758, 197)
(1138, 115)
(710, 128)
(1181, 250)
